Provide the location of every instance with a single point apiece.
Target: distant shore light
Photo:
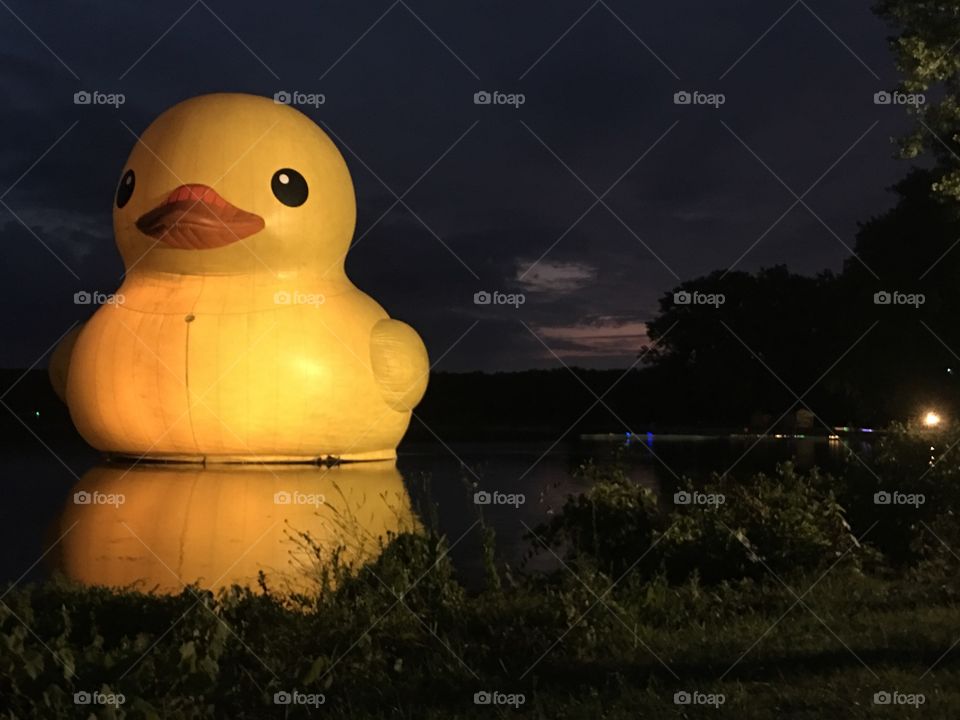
(932, 419)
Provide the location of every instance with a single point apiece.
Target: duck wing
(400, 363)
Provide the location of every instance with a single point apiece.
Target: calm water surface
(154, 526)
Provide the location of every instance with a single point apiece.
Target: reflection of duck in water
(156, 527)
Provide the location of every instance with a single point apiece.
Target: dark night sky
(399, 82)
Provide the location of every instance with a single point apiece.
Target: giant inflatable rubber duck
(236, 334)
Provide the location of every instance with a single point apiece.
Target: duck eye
(289, 186)
(125, 189)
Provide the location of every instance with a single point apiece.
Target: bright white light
(931, 419)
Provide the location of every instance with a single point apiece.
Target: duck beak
(196, 217)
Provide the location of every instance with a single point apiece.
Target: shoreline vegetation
(789, 594)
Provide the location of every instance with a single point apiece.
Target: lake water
(154, 525)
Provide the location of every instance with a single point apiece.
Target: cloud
(558, 277)
(600, 337)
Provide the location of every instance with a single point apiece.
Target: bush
(725, 529)
(907, 463)
(782, 523)
(609, 525)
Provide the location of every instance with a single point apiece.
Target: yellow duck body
(236, 334)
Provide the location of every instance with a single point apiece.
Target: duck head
(232, 184)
